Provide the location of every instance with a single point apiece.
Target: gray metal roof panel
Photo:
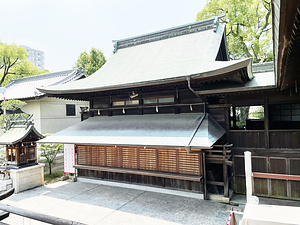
(17, 134)
(169, 130)
(261, 81)
(165, 60)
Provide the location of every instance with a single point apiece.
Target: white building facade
(50, 114)
(37, 57)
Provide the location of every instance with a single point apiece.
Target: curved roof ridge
(184, 29)
(42, 76)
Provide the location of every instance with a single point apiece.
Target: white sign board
(69, 158)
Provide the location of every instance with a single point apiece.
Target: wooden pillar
(141, 111)
(176, 101)
(225, 174)
(109, 103)
(17, 152)
(204, 177)
(7, 153)
(234, 117)
(266, 119)
(227, 119)
(248, 173)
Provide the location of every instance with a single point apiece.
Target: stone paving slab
(101, 203)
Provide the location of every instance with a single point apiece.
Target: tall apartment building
(36, 57)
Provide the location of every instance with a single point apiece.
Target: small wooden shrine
(20, 140)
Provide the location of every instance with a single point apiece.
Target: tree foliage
(13, 64)
(91, 62)
(49, 151)
(12, 105)
(10, 55)
(248, 27)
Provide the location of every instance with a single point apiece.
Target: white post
(248, 173)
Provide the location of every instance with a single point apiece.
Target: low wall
(27, 178)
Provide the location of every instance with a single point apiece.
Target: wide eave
(194, 50)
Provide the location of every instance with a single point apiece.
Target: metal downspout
(188, 78)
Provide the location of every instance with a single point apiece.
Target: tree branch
(256, 60)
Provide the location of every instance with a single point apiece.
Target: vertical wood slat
(148, 159)
(83, 155)
(153, 159)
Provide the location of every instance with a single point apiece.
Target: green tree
(49, 151)
(13, 64)
(91, 62)
(10, 55)
(248, 27)
(12, 105)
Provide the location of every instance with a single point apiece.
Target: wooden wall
(269, 187)
(169, 160)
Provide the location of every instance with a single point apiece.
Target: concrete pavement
(114, 203)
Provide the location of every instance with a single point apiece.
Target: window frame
(72, 108)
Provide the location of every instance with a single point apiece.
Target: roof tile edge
(167, 33)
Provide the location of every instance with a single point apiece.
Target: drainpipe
(188, 78)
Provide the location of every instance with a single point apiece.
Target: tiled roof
(26, 87)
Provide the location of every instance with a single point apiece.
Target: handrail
(32, 215)
(37, 216)
(276, 176)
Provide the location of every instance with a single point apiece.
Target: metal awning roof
(161, 130)
(18, 134)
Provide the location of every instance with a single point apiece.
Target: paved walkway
(105, 203)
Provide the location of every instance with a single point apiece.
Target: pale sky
(62, 29)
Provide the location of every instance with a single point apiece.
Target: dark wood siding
(285, 139)
(269, 187)
(247, 138)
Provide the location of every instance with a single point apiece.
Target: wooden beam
(276, 176)
(141, 172)
(218, 183)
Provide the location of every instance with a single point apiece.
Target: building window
(125, 102)
(247, 117)
(160, 100)
(284, 116)
(70, 110)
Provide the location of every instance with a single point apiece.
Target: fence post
(248, 173)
